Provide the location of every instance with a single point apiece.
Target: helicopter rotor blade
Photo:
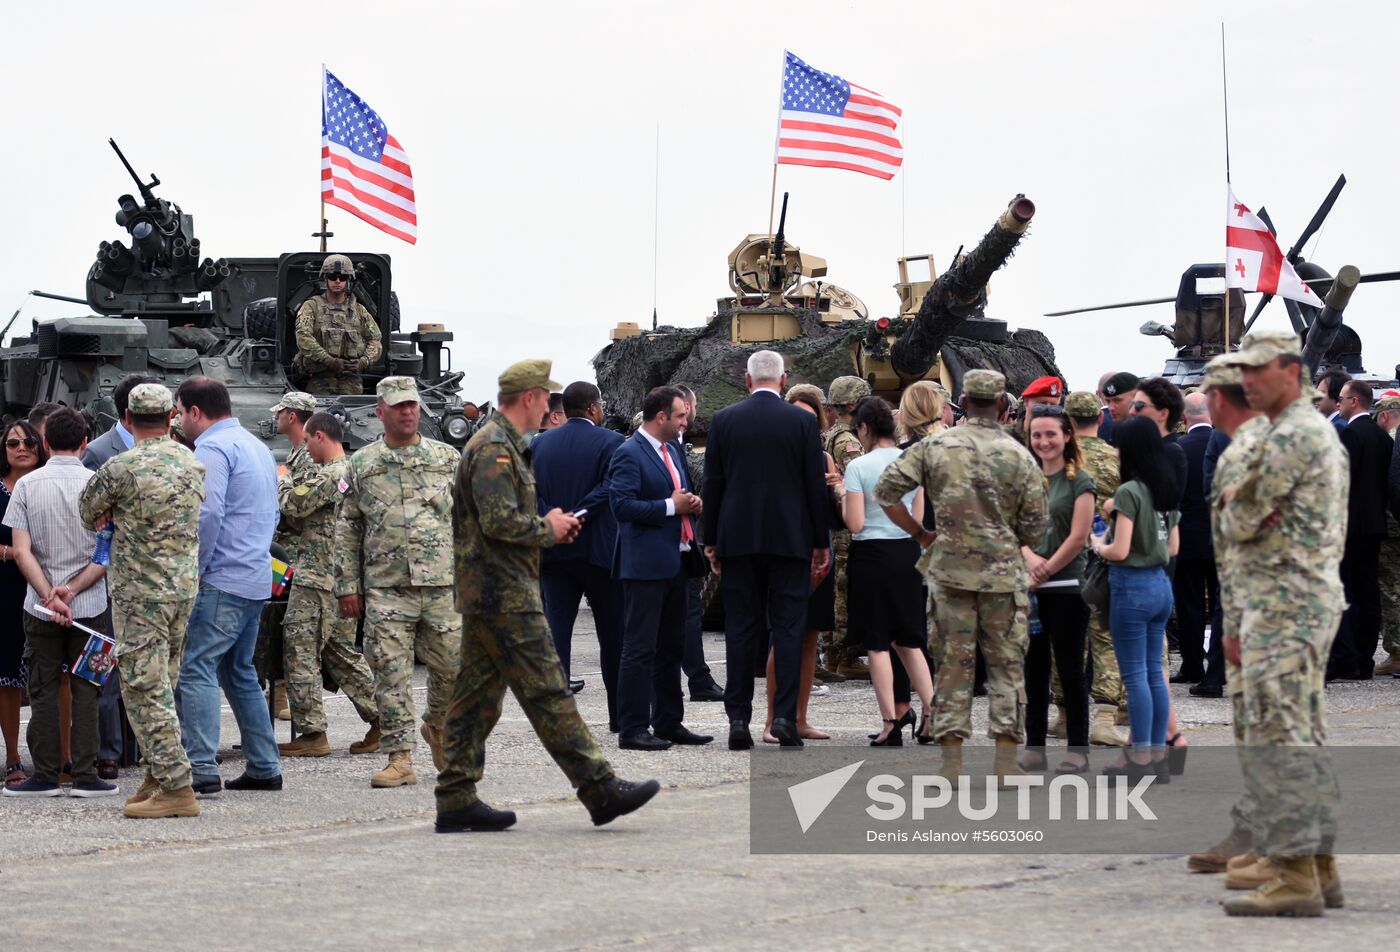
(1264, 217)
(1318, 218)
(1112, 307)
(1295, 317)
(1257, 308)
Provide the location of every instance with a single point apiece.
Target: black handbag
(1094, 589)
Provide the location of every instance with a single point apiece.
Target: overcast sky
(532, 134)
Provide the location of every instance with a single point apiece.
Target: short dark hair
(41, 412)
(31, 431)
(122, 395)
(556, 402)
(149, 421)
(206, 393)
(65, 430)
(327, 423)
(1333, 380)
(1233, 394)
(877, 414)
(578, 397)
(660, 400)
(1362, 393)
(301, 415)
(1142, 456)
(1164, 395)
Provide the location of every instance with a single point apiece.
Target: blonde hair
(920, 410)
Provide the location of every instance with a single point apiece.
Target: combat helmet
(338, 265)
(847, 391)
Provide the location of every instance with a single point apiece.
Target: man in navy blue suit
(765, 519)
(570, 463)
(655, 509)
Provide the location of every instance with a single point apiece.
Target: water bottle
(1036, 627)
(1100, 527)
(102, 555)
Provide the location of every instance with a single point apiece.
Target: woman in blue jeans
(1144, 538)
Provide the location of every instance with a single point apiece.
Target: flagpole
(777, 135)
(323, 231)
(655, 221)
(1225, 98)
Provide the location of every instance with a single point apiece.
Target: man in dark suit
(117, 439)
(1195, 586)
(1370, 449)
(765, 499)
(656, 511)
(570, 463)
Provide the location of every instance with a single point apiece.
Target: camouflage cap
(983, 384)
(1259, 348)
(1082, 405)
(527, 375)
(396, 390)
(845, 391)
(1220, 372)
(1389, 401)
(813, 389)
(296, 400)
(150, 398)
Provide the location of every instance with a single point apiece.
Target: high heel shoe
(924, 735)
(895, 737)
(1176, 755)
(906, 718)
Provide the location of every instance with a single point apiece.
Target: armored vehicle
(781, 302)
(161, 309)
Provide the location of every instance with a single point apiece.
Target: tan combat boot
(1329, 881)
(952, 760)
(307, 745)
(1390, 666)
(164, 803)
(1059, 728)
(434, 738)
(1217, 858)
(852, 668)
(279, 702)
(1294, 891)
(399, 773)
(370, 743)
(1251, 875)
(1005, 764)
(144, 792)
(1241, 861)
(1104, 732)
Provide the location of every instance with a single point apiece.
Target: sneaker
(34, 788)
(820, 690)
(93, 788)
(207, 786)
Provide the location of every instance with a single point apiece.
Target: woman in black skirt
(885, 607)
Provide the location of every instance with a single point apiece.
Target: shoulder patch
(342, 485)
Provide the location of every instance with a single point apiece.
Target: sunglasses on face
(28, 443)
(1139, 406)
(1046, 409)
(335, 277)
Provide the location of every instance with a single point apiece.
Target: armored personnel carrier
(781, 302)
(163, 310)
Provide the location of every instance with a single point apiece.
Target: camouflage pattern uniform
(499, 537)
(329, 333)
(393, 544)
(1295, 474)
(988, 496)
(269, 656)
(314, 631)
(153, 491)
(840, 441)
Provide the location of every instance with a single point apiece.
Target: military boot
(827, 676)
(144, 792)
(852, 668)
(609, 799)
(1293, 891)
(434, 738)
(1250, 875)
(1103, 732)
(1329, 881)
(279, 701)
(952, 759)
(1005, 764)
(307, 745)
(370, 744)
(1241, 861)
(1060, 727)
(398, 773)
(1390, 666)
(1217, 858)
(164, 803)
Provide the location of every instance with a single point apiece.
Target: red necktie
(687, 533)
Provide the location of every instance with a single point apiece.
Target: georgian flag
(1253, 260)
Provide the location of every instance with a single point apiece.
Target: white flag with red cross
(1253, 260)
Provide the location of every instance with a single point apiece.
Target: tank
(781, 302)
(161, 308)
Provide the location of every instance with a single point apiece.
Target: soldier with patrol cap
(151, 495)
(393, 565)
(841, 442)
(336, 337)
(289, 416)
(499, 537)
(976, 574)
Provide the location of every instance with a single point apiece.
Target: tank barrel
(957, 294)
(1324, 330)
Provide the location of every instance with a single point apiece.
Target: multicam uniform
(988, 496)
(313, 628)
(153, 491)
(841, 442)
(506, 643)
(329, 333)
(393, 544)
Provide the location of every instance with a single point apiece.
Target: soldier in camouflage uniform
(1285, 519)
(151, 494)
(840, 441)
(315, 632)
(289, 416)
(988, 495)
(1388, 416)
(506, 643)
(336, 337)
(393, 563)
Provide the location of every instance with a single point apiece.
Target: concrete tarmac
(331, 863)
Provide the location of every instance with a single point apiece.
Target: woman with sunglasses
(1056, 568)
(24, 453)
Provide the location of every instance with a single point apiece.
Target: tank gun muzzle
(1323, 331)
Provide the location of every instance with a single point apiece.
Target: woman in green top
(1140, 594)
(1056, 567)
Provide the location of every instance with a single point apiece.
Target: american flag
(831, 123)
(363, 168)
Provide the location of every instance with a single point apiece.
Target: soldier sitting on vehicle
(336, 337)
